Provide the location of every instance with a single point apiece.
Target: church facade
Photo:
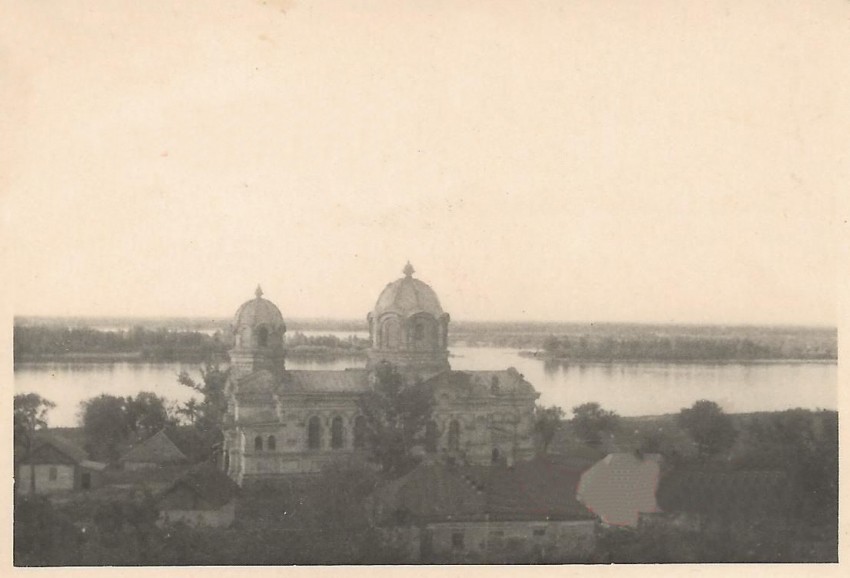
(286, 422)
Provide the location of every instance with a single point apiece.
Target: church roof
(257, 311)
(157, 449)
(408, 296)
(326, 381)
(505, 382)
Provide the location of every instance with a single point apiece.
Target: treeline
(300, 345)
(34, 343)
(679, 348)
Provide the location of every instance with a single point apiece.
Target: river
(630, 389)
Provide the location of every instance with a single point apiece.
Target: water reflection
(628, 388)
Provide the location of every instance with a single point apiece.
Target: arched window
(391, 334)
(494, 457)
(359, 432)
(454, 435)
(263, 336)
(431, 436)
(418, 332)
(258, 444)
(336, 433)
(271, 444)
(314, 433)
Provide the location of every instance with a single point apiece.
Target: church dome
(408, 296)
(258, 312)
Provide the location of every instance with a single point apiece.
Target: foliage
(396, 416)
(547, 421)
(590, 422)
(208, 415)
(710, 428)
(30, 415)
(146, 414)
(108, 421)
(149, 344)
(106, 426)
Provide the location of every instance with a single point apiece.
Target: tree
(590, 421)
(396, 417)
(710, 428)
(30, 415)
(208, 416)
(190, 410)
(106, 426)
(547, 421)
(147, 414)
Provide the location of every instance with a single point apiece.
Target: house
(493, 514)
(56, 465)
(621, 486)
(204, 496)
(156, 451)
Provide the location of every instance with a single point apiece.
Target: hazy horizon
(212, 319)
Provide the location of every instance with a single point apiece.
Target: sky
(653, 161)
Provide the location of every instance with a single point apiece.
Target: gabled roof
(541, 489)
(157, 449)
(61, 447)
(212, 486)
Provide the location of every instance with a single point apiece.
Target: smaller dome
(256, 312)
(407, 296)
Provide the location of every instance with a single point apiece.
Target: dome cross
(259, 292)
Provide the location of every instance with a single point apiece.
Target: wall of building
(65, 475)
(500, 542)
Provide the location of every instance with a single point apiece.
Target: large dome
(408, 296)
(257, 312)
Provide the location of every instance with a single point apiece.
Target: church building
(282, 422)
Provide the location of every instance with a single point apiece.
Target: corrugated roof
(157, 449)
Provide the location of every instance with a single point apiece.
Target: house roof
(211, 485)
(157, 449)
(540, 489)
(69, 450)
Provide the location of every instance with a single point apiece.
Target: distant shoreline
(732, 361)
(140, 358)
